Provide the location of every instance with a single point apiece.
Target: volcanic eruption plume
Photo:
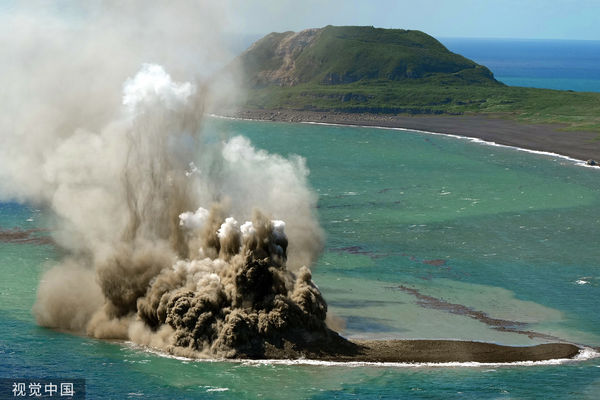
(174, 235)
(159, 274)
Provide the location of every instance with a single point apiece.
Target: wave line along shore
(576, 146)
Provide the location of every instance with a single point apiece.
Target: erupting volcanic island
(140, 267)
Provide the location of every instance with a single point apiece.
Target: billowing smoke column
(171, 231)
(144, 267)
(239, 301)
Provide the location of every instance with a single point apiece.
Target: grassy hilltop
(366, 69)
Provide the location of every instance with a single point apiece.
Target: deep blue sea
(504, 232)
(551, 64)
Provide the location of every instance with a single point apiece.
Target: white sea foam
(216, 389)
(585, 353)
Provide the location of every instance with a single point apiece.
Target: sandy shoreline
(580, 145)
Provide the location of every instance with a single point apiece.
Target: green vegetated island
(353, 70)
(362, 75)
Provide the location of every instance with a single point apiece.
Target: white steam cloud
(123, 166)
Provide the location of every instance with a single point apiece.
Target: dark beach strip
(580, 145)
(338, 349)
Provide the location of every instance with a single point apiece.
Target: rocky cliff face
(340, 55)
(286, 50)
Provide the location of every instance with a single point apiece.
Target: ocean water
(550, 64)
(493, 230)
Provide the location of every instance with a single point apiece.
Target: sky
(528, 19)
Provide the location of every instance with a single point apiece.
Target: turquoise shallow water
(503, 232)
